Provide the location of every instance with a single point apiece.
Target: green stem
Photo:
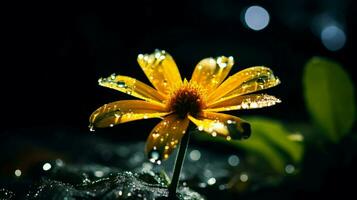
(178, 164)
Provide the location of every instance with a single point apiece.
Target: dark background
(54, 54)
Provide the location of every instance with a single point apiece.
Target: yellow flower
(179, 101)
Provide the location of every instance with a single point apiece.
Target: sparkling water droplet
(121, 84)
(230, 121)
(261, 80)
(91, 128)
(155, 135)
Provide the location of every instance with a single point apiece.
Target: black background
(54, 54)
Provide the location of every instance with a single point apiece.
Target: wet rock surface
(86, 166)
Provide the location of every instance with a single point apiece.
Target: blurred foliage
(329, 97)
(270, 141)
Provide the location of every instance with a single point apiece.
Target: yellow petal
(244, 82)
(161, 70)
(124, 111)
(224, 125)
(165, 137)
(132, 87)
(244, 102)
(210, 72)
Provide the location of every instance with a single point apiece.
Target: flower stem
(178, 164)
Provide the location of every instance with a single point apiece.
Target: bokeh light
(256, 18)
(17, 172)
(195, 155)
(46, 166)
(333, 37)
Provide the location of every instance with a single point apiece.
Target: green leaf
(329, 96)
(270, 141)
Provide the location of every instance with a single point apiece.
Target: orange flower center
(186, 100)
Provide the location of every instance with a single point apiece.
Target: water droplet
(112, 76)
(261, 80)
(120, 193)
(230, 121)
(228, 138)
(91, 128)
(121, 84)
(157, 54)
(145, 116)
(111, 125)
(155, 135)
(254, 105)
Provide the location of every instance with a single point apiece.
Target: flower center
(186, 100)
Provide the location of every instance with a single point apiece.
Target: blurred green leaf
(329, 96)
(269, 141)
